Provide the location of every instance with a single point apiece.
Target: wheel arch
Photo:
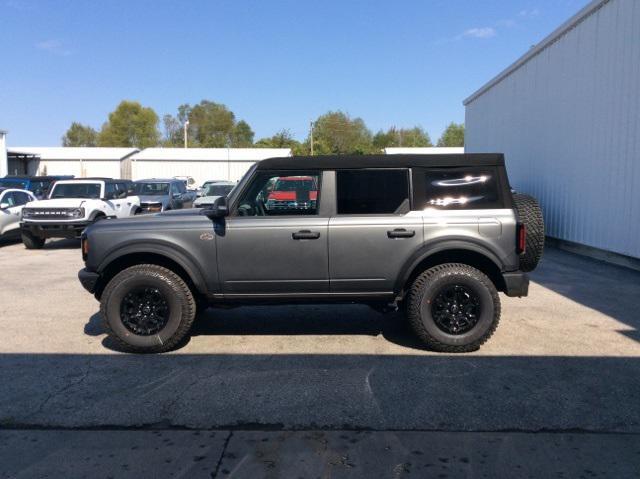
(455, 251)
(150, 254)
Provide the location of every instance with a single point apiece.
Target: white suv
(72, 206)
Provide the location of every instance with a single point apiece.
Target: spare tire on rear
(530, 214)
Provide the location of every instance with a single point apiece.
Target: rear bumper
(55, 229)
(88, 279)
(516, 284)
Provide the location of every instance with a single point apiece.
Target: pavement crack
(65, 388)
(214, 474)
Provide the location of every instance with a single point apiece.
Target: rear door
(373, 232)
(275, 247)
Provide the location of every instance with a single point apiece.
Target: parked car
(434, 236)
(158, 195)
(213, 190)
(38, 185)
(12, 202)
(73, 205)
(200, 190)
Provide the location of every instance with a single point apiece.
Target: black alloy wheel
(456, 309)
(144, 311)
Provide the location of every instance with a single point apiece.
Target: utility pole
(311, 136)
(186, 124)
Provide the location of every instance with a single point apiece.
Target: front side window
(370, 192)
(461, 188)
(76, 190)
(281, 194)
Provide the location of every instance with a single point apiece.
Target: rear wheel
(453, 308)
(32, 242)
(147, 309)
(530, 214)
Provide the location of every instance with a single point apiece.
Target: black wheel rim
(144, 311)
(456, 309)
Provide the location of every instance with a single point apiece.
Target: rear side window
(461, 188)
(370, 192)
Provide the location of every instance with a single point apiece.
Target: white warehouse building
(200, 163)
(567, 117)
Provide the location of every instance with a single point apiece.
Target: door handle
(401, 233)
(305, 235)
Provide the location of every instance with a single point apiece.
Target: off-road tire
(428, 285)
(182, 308)
(32, 242)
(530, 214)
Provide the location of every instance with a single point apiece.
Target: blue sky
(276, 64)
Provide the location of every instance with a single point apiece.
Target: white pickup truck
(73, 205)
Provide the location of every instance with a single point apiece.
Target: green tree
(130, 125)
(282, 139)
(409, 137)
(453, 135)
(337, 133)
(242, 136)
(211, 124)
(80, 135)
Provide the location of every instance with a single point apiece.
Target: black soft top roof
(334, 162)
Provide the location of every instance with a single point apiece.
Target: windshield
(151, 189)
(217, 190)
(76, 190)
(13, 184)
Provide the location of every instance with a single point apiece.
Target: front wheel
(147, 309)
(453, 308)
(32, 242)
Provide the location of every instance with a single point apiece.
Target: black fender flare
(168, 250)
(439, 246)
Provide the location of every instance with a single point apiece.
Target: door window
(371, 192)
(281, 194)
(21, 198)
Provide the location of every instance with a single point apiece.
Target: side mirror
(4, 206)
(177, 195)
(218, 209)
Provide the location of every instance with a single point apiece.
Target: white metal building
(567, 117)
(3, 154)
(427, 150)
(200, 163)
(80, 162)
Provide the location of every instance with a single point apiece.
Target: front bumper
(88, 279)
(516, 284)
(52, 229)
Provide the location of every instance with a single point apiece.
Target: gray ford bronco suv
(437, 236)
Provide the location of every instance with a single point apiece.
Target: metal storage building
(567, 117)
(200, 163)
(77, 161)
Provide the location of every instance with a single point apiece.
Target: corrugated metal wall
(81, 168)
(568, 122)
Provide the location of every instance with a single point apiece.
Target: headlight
(77, 213)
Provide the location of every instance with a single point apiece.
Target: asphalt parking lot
(340, 385)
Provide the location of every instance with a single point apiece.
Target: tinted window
(278, 194)
(461, 188)
(366, 192)
(217, 190)
(21, 198)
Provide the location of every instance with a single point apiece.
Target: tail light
(521, 238)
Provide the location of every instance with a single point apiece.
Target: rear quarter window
(457, 188)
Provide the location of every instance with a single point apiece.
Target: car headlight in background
(76, 213)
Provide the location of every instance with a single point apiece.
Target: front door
(275, 239)
(373, 233)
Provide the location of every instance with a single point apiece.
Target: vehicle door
(114, 200)
(175, 195)
(11, 204)
(266, 247)
(373, 232)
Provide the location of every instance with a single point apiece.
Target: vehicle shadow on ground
(62, 244)
(610, 289)
(307, 320)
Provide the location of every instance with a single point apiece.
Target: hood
(162, 199)
(206, 200)
(57, 203)
(174, 219)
